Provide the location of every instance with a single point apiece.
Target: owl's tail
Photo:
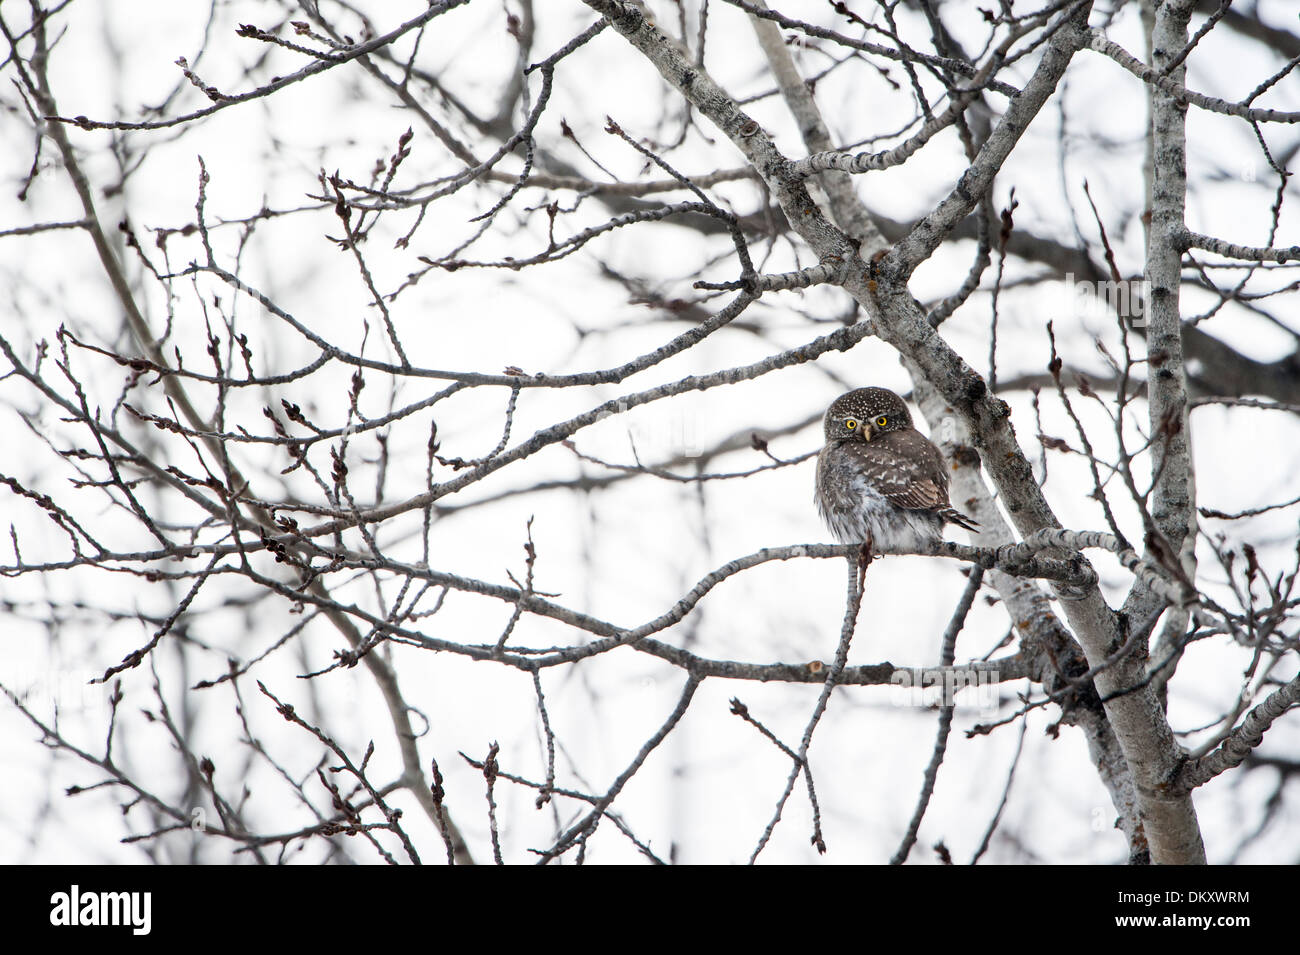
(953, 516)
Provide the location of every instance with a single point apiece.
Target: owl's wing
(905, 468)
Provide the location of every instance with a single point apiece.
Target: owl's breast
(854, 508)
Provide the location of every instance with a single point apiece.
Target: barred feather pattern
(854, 509)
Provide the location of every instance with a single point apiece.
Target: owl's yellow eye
(882, 421)
(850, 423)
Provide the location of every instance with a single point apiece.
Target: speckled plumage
(878, 478)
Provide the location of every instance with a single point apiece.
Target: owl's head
(862, 414)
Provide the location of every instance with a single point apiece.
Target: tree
(364, 303)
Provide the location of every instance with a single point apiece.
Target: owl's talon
(865, 556)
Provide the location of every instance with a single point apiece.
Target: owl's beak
(867, 431)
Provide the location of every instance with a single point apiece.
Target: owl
(879, 480)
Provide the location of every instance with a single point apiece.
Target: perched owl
(879, 480)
